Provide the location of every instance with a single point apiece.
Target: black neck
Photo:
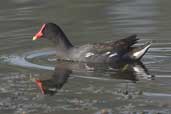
(61, 40)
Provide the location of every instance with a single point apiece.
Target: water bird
(106, 52)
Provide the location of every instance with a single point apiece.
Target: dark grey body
(107, 52)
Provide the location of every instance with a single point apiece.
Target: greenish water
(142, 88)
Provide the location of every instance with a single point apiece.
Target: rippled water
(72, 88)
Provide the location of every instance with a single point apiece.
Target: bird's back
(107, 52)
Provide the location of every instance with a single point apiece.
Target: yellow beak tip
(34, 38)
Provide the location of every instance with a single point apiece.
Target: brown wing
(102, 47)
(126, 43)
(119, 45)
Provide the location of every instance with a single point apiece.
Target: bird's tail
(138, 52)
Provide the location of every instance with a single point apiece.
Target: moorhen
(106, 52)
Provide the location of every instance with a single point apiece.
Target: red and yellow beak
(40, 33)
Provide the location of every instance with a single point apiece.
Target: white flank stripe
(107, 53)
(114, 54)
(89, 54)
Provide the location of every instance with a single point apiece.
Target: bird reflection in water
(56, 82)
(127, 71)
